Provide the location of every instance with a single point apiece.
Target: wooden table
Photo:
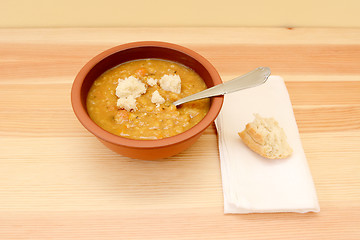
(58, 182)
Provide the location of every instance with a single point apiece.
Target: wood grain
(58, 182)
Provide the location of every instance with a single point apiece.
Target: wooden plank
(45, 60)
(213, 35)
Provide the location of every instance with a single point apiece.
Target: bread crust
(253, 145)
(257, 137)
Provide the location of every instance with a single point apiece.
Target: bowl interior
(143, 52)
(127, 52)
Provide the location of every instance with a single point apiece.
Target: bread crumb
(127, 103)
(127, 91)
(171, 83)
(157, 98)
(265, 137)
(152, 82)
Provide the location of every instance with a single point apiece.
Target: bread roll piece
(265, 137)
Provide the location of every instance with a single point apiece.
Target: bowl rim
(91, 126)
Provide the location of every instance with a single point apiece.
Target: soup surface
(134, 99)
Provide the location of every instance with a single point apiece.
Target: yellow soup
(152, 116)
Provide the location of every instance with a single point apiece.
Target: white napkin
(251, 183)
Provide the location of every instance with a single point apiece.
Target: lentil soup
(146, 110)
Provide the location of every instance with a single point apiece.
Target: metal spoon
(250, 79)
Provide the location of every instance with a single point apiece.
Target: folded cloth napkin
(251, 183)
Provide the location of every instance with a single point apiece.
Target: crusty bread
(265, 137)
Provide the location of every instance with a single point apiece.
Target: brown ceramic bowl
(144, 149)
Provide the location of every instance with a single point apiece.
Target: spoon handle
(250, 79)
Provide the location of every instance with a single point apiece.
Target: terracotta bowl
(144, 149)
